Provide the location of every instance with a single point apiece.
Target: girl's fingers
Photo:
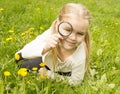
(59, 36)
(52, 41)
(54, 44)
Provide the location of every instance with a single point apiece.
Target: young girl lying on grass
(64, 47)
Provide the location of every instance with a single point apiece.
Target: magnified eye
(65, 29)
(68, 30)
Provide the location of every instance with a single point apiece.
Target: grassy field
(22, 20)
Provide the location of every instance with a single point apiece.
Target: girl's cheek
(80, 39)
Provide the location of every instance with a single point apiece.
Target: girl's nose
(72, 36)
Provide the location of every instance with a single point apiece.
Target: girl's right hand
(51, 42)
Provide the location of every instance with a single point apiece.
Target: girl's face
(77, 36)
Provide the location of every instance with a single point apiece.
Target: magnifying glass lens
(65, 29)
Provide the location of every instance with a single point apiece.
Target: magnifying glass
(65, 28)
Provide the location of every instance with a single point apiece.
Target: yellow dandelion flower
(106, 26)
(7, 73)
(22, 72)
(31, 32)
(41, 28)
(23, 69)
(1, 9)
(42, 64)
(11, 31)
(34, 68)
(19, 72)
(9, 39)
(23, 34)
(31, 29)
(116, 23)
(37, 9)
(17, 56)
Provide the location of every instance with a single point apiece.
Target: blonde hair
(78, 10)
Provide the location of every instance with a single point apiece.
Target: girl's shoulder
(45, 34)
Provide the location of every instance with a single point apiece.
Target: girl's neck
(63, 54)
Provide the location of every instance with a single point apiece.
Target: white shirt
(74, 63)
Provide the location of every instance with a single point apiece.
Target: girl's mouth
(71, 43)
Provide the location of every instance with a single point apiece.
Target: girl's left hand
(43, 72)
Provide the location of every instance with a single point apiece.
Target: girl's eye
(68, 30)
(80, 34)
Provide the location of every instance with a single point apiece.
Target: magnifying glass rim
(59, 29)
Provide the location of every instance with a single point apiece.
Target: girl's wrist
(45, 50)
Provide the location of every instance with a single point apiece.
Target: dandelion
(9, 39)
(41, 28)
(116, 24)
(31, 29)
(23, 34)
(31, 32)
(34, 68)
(1, 9)
(42, 64)
(37, 9)
(11, 31)
(106, 26)
(22, 72)
(7, 73)
(17, 56)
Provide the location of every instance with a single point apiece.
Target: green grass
(23, 15)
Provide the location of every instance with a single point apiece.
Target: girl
(64, 46)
